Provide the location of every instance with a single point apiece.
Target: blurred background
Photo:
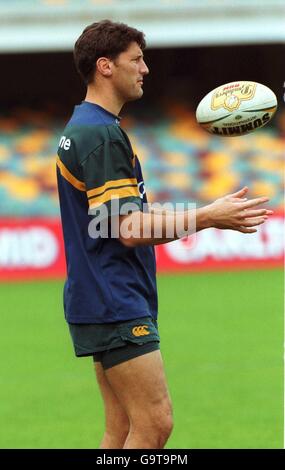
(221, 298)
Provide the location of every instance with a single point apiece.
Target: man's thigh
(140, 385)
(115, 415)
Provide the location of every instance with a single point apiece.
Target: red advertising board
(214, 249)
(33, 249)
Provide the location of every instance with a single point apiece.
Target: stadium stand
(181, 162)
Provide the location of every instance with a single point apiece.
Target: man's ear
(103, 65)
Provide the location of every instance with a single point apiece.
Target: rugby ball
(236, 108)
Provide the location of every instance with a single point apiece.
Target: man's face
(128, 71)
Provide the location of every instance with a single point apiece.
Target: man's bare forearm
(158, 226)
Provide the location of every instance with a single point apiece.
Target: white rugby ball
(236, 108)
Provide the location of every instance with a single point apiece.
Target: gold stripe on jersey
(114, 193)
(111, 184)
(69, 177)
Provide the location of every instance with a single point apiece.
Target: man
(110, 297)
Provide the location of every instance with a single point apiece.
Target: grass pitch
(222, 344)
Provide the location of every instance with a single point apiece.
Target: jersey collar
(103, 111)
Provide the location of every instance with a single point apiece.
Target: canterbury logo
(140, 330)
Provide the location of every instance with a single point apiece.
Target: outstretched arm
(232, 212)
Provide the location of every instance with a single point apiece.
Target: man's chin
(135, 96)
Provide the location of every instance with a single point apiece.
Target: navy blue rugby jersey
(106, 281)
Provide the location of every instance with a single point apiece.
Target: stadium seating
(181, 162)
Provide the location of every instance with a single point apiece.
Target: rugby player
(110, 295)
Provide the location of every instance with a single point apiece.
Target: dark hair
(103, 39)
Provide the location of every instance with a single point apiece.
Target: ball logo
(230, 97)
(242, 128)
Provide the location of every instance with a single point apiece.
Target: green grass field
(222, 343)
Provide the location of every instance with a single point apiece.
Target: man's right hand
(234, 212)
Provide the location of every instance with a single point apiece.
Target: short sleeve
(110, 179)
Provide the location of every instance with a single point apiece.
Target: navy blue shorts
(114, 343)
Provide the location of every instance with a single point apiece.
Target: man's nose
(144, 69)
